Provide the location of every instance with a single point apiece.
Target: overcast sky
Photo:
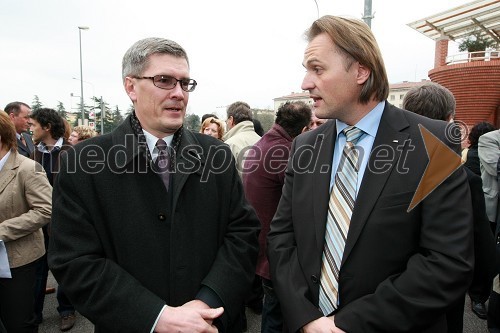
(239, 50)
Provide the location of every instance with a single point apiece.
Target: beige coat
(25, 207)
(240, 138)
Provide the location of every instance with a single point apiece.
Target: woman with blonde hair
(81, 133)
(25, 207)
(213, 127)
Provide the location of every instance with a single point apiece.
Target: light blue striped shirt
(369, 124)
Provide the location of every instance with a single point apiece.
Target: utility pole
(102, 116)
(367, 15)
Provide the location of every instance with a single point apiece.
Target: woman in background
(25, 207)
(213, 127)
(81, 133)
(471, 156)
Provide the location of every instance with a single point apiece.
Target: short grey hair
(240, 111)
(136, 58)
(430, 100)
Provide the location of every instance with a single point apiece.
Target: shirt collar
(151, 140)
(42, 147)
(369, 123)
(4, 160)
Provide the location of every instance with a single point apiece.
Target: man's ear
(363, 74)
(46, 128)
(129, 85)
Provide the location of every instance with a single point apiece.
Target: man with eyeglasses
(151, 230)
(19, 113)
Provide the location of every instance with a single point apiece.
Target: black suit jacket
(27, 149)
(122, 246)
(400, 270)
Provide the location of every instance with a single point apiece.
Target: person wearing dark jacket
(472, 158)
(151, 230)
(435, 101)
(48, 132)
(349, 250)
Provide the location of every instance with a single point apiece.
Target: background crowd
(187, 229)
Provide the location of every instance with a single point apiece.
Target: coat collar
(189, 153)
(124, 137)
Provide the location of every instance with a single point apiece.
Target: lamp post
(317, 8)
(81, 72)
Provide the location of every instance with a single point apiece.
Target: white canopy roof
(482, 16)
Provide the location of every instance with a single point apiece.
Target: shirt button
(162, 217)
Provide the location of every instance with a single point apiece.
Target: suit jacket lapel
(325, 140)
(22, 147)
(29, 143)
(388, 137)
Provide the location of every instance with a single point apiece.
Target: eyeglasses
(169, 82)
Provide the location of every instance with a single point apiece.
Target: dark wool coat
(123, 247)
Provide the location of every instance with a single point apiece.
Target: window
(392, 97)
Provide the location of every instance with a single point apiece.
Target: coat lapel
(8, 171)
(188, 146)
(389, 137)
(124, 140)
(325, 141)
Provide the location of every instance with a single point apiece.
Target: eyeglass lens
(169, 82)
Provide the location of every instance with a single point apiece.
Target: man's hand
(322, 325)
(197, 304)
(194, 316)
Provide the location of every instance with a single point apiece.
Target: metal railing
(472, 56)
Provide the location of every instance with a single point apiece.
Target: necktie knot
(353, 134)
(161, 145)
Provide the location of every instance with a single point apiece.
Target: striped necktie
(340, 207)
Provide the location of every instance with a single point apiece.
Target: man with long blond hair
(346, 252)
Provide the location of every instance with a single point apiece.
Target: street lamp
(81, 72)
(317, 8)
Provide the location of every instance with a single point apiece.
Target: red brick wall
(441, 52)
(476, 87)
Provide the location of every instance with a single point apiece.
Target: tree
(266, 118)
(36, 104)
(100, 104)
(117, 117)
(192, 122)
(129, 110)
(86, 111)
(475, 42)
(61, 110)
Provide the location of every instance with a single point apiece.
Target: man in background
(489, 153)
(436, 102)
(263, 178)
(19, 113)
(48, 132)
(241, 133)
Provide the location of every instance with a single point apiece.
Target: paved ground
(472, 324)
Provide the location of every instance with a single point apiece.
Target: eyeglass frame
(152, 78)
